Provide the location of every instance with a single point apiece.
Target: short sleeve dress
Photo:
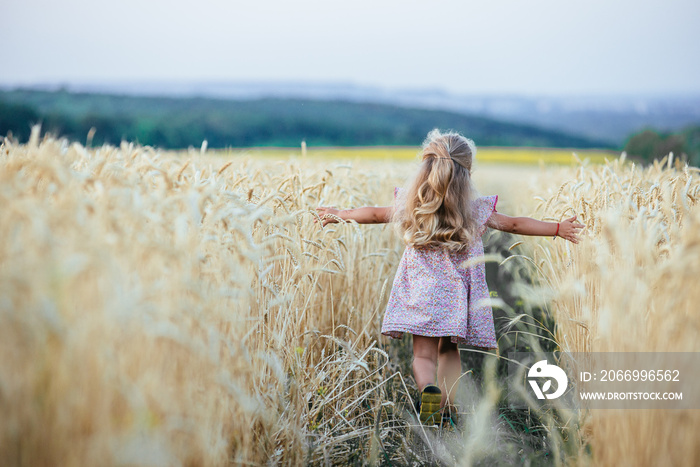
(434, 295)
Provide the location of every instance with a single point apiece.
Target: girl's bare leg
(449, 370)
(425, 357)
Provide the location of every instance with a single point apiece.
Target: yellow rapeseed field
(486, 155)
(184, 309)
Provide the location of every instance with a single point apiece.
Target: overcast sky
(484, 46)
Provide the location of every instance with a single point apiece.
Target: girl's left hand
(569, 229)
(323, 213)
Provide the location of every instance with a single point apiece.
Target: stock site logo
(542, 369)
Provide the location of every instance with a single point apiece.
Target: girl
(436, 297)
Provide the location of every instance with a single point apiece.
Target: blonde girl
(433, 297)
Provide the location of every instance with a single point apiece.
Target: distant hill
(181, 122)
(610, 118)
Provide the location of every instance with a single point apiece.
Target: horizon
(282, 89)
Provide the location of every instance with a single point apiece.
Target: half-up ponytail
(437, 210)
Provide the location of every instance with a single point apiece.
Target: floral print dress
(435, 295)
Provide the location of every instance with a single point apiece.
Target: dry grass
(184, 309)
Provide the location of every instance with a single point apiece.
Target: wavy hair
(437, 209)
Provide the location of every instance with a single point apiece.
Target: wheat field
(184, 309)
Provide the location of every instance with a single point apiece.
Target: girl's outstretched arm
(366, 215)
(568, 229)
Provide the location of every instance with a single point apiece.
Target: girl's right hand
(327, 215)
(569, 229)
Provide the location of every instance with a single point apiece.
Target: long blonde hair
(437, 209)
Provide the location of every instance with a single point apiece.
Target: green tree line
(183, 122)
(650, 144)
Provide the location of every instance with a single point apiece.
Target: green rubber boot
(430, 399)
(450, 418)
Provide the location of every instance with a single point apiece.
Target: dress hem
(455, 338)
